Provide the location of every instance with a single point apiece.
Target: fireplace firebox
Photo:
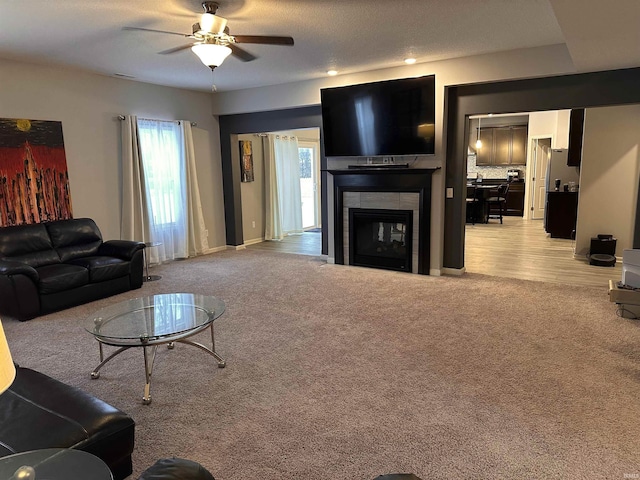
(381, 238)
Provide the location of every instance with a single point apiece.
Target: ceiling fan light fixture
(211, 54)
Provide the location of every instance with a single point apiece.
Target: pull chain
(213, 80)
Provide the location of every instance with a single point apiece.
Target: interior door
(541, 151)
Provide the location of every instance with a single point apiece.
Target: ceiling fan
(213, 42)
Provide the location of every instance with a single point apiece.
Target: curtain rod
(122, 117)
(286, 137)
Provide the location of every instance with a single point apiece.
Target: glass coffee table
(151, 321)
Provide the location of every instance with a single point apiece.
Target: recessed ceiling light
(409, 61)
(332, 72)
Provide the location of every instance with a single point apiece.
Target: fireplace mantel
(385, 180)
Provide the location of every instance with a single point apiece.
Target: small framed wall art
(246, 161)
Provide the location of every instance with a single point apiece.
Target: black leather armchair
(51, 266)
(38, 411)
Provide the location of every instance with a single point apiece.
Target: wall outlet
(206, 233)
(449, 192)
(253, 224)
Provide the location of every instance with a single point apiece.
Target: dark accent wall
(615, 87)
(272, 121)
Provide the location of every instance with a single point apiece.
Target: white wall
(88, 106)
(609, 176)
(553, 124)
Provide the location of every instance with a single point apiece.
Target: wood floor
(521, 249)
(309, 243)
(516, 249)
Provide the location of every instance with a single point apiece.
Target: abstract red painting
(34, 182)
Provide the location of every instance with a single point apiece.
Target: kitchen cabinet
(484, 155)
(515, 199)
(576, 129)
(561, 214)
(502, 146)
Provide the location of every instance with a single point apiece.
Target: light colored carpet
(337, 372)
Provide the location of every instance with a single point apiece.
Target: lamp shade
(211, 54)
(7, 368)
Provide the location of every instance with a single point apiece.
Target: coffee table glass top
(154, 319)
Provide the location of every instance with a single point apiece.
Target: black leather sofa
(50, 266)
(38, 411)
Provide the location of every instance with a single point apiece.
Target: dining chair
(499, 201)
(472, 203)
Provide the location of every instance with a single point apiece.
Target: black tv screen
(394, 117)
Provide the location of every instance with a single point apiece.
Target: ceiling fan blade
(176, 49)
(241, 54)
(156, 31)
(263, 39)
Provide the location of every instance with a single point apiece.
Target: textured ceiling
(348, 35)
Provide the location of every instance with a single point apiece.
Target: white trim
(253, 241)
(435, 272)
(214, 250)
(236, 247)
(529, 173)
(458, 272)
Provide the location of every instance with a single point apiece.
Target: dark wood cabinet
(561, 214)
(484, 155)
(576, 128)
(502, 146)
(515, 199)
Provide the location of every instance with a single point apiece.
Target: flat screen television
(389, 118)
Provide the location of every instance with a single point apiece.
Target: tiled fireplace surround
(406, 189)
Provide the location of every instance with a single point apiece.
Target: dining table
(482, 194)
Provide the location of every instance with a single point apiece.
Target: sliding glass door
(309, 183)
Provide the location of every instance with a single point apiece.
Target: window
(160, 144)
(165, 183)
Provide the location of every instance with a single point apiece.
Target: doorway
(257, 197)
(540, 155)
(309, 154)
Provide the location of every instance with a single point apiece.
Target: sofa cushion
(60, 277)
(102, 269)
(29, 244)
(75, 238)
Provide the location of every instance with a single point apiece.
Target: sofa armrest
(124, 249)
(11, 267)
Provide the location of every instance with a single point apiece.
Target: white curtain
(134, 224)
(161, 199)
(273, 225)
(284, 201)
(197, 240)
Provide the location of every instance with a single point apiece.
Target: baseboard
(454, 271)
(435, 272)
(253, 241)
(331, 260)
(236, 247)
(214, 250)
